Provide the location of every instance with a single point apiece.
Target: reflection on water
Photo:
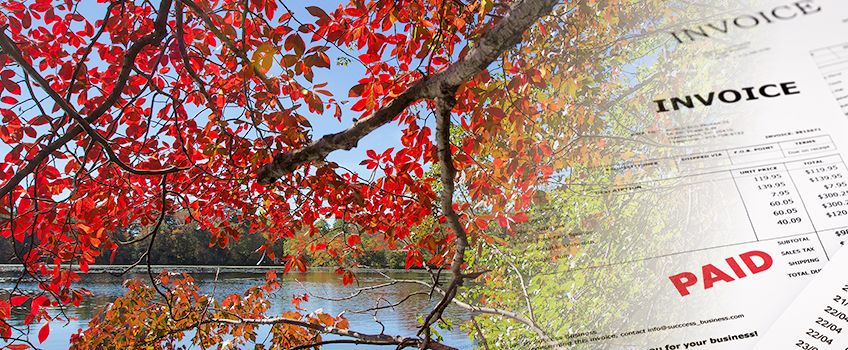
(401, 320)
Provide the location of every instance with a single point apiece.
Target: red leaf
(5, 331)
(5, 309)
(520, 218)
(323, 61)
(503, 222)
(11, 86)
(38, 120)
(359, 105)
(413, 257)
(348, 278)
(354, 12)
(43, 333)
(353, 240)
(18, 300)
(316, 11)
(294, 42)
(481, 223)
(368, 58)
(356, 90)
(36, 304)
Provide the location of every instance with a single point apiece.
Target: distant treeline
(183, 245)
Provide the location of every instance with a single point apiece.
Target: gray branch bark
(491, 45)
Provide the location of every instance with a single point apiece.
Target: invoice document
(818, 318)
(735, 195)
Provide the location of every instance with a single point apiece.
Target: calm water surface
(401, 320)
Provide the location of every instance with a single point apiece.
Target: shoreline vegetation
(191, 269)
(185, 247)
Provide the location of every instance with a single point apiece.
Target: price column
(773, 203)
(823, 184)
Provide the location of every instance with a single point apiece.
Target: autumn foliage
(125, 112)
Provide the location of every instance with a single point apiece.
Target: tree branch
(187, 61)
(480, 333)
(530, 313)
(375, 339)
(207, 21)
(503, 36)
(12, 51)
(549, 342)
(444, 105)
(158, 34)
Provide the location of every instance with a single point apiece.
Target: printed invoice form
(818, 318)
(743, 181)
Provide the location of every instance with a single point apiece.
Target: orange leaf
(343, 324)
(327, 320)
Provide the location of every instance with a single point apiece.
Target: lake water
(402, 320)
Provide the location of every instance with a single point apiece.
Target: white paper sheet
(759, 158)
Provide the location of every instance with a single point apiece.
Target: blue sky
(340, 79)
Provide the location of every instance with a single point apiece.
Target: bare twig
(364, 338)
(13, 52)
(504, 35)
(158, 34)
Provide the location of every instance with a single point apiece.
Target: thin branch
(389, 304)
(158, 34)
(447, 176)
(375, 339)
(480, 333)
(549, 342)
(522, 284)
(10, 49)
(89, 48)
(215, 29)
(355, 294)
(156, 229)
(186, 60)
(503, 36)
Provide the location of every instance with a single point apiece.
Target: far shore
(95, 269)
